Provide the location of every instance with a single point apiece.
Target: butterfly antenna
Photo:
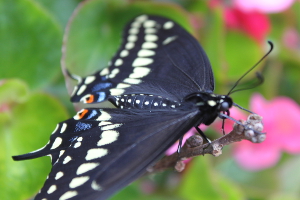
(260, 79)
(238, 81)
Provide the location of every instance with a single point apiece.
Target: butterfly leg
(179, 145)
(202, 134)
(223, 120)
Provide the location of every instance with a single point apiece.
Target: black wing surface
(156, 55)
(102, 150)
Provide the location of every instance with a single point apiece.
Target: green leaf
(290, 180)
(255, 184)
(200, 181)
(95, 31)
(241, 54)
(134, 191)
(229, 189)
(13, 90)
(213, 43)
(25, 127)
(130, 192)
(30, 43)
(285, 196)
(61, 10)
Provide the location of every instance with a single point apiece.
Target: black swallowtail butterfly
(162, 84)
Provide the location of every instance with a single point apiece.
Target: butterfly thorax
(210, 104)
(143, 101)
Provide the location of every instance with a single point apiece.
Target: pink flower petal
(264, 6)
(231, 19)
(255, 157)
(281, 120)
(255, 24)
(214, 3)
(286, 123)
(291, 38)
(260, 106)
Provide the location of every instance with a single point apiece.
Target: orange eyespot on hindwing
(90, 99)
(81, 114)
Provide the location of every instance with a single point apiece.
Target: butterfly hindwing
(155, 56)
(64, 135)
(107, 157)
(161, 82)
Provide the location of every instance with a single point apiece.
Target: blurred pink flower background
(281, 117)
(280, 114)
(263, 6)
(251, 17)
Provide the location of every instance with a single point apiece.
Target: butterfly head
(214, 103)
(210, 104)
(219, 103)
(224, 103)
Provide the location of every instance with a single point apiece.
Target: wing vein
(147, 136)
(193, 81)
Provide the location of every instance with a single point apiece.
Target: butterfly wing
(101, 150)
(112, 148)
(156, 55)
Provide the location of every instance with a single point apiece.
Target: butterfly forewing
(99, 151)
(156, 55)
(104, 159)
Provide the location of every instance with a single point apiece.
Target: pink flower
(254, 157)
(253, 23)
(281, 119)
(281, 122)
(291, 38)
(263, 6)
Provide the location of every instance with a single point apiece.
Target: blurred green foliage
(33, 97)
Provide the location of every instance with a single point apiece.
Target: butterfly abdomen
(143, 101)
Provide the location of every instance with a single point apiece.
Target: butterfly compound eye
(224, 106)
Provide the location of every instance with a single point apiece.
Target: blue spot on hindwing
(82, 126)
(103, 78)
(102, 96)
(101, 86)
(92, 114)
(73, 139)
